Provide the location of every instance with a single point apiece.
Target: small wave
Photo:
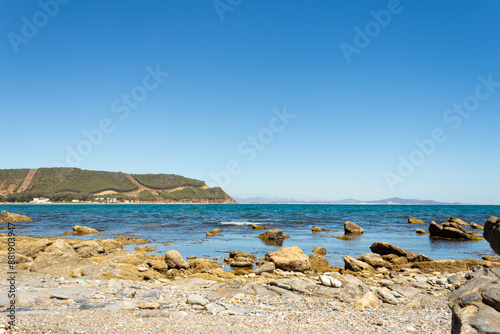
(239, 223)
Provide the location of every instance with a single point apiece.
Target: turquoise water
(184, 226)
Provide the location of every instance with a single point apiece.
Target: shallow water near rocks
(184, 226)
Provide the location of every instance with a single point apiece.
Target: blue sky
(361, 82)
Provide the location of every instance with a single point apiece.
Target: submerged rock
(492, 233)
(451, 230)
(6, 217)
(352, 228)
(290, 259)
(319, 250)
(213, 232)
(412, 220)
(258, 227)
(384, 248)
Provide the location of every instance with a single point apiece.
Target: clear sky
(319, 100)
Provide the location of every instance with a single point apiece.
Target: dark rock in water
(475, 305)
(412, 220)
(492, 233)
(477, 226)
(383, 248)
(273, 237)
(451, 230)
(352, 228)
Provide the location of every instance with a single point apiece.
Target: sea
(183, 226)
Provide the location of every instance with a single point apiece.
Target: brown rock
(319, 250)
(60, 245)
(267, 267)
(412, 220)
(258, 227)
(451, 230)
(19, 258)
(174, 260)
(384, 248)
(477, 226)
(290, 259)
(146, 249)
(273, 237)
(421, 232)
(492, 233)
(375, 260)
(368, 301)
(32, 249)
(351, 263)
(203, 265)
(83, 230)
(88, 248)
(6, 217)
(352, 228)
(457, 221)
(213, 232)
(319, 263)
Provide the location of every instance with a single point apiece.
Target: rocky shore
(66, 285)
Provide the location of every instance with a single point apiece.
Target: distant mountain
(78, 185)
(387, 201)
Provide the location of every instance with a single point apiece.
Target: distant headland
(74, 185)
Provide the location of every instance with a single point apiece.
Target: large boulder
(319, 263)
(174, 260)
(6, 217)
(352, 228)
(54, 262)
(32, 249)
(319, 250)
(60, 245)
(457, 221)
(475, 305)
(273, 234)
(290, 259)
(412, 220)
(267, 267)
(88, 248)
(82, 230)
(384, 248)
(451, 230)
(352, 264)
(492, 233)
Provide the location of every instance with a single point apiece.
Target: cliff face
(75, 185)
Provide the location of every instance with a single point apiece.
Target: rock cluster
(452, 230)
(213, 232)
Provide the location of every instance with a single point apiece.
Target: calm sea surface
(184, 226)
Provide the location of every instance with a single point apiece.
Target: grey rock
(154, 294)
(214, 308)
(174, 260)
(351, 263)
(232, 309)
(62, 296)
(196, 300)
(267, 267)
(385, 295)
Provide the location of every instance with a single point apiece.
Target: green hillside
(70, 184)
(166, 181)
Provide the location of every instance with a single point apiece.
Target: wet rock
(31, 249)
(451, 230)
(267, 267)
(351, 263)
(174, 260)
(6, 217)
(375, 260)
(344, 237)
(242, 256)
(368, 301)
(88, 248)
(421, 232)
(477, 226)
(83, 230)
(352, 228)
(258, 227)
(319, 250)
(384, 248)
(492, 233)
(319, 263)
(273, 237)
(491, 258)
(290, 259)
(412, 220)
(457, 221)
(213, 232)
